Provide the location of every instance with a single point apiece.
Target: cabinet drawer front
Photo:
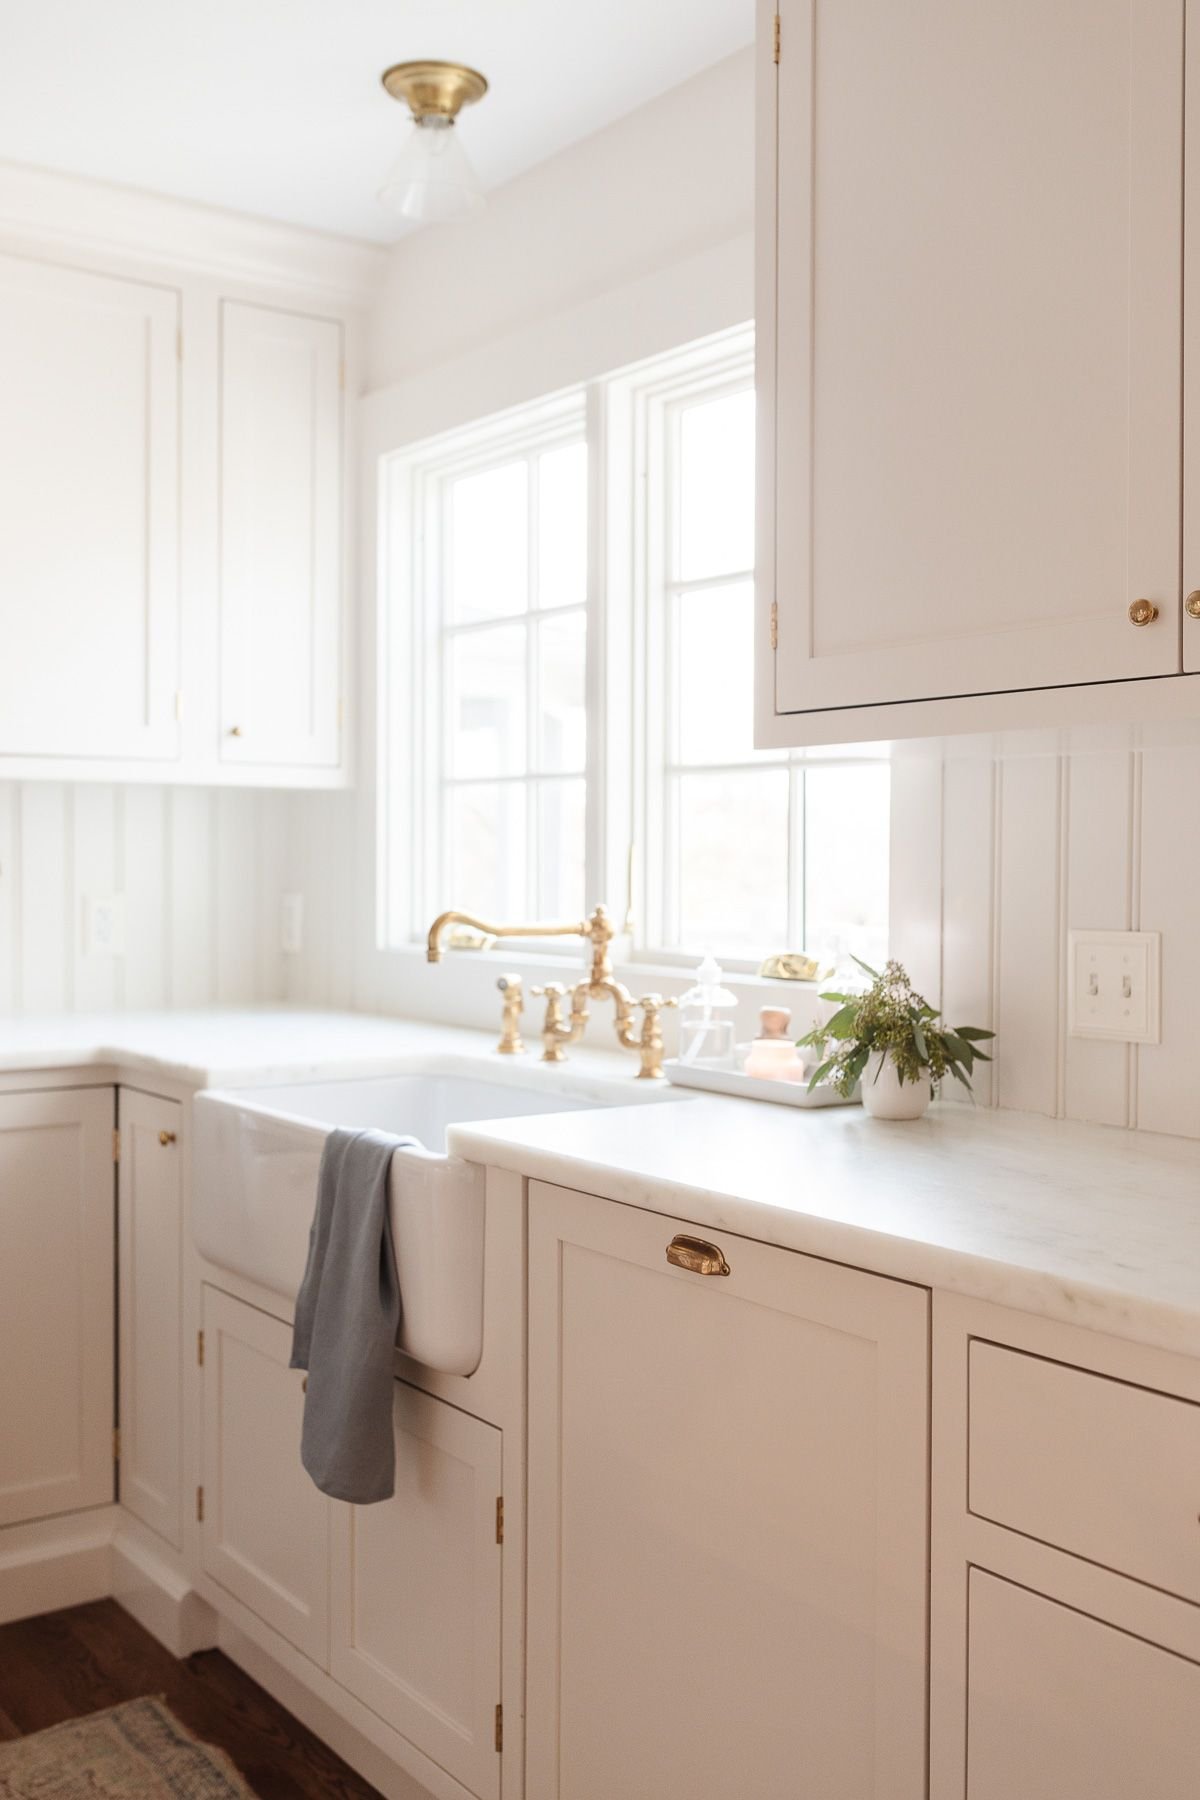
(1094, 1466)
(1064, 1707)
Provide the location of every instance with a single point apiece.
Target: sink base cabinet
(264, 1526)
(416, 1591)
(727, 1518)
(56, 1320)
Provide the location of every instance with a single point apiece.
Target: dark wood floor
(68, 1663)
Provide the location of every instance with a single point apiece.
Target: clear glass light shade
(432, 178)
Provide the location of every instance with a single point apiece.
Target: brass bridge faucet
(599, 984)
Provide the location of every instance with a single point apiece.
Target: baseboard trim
(148, 1582)
(50, 1563)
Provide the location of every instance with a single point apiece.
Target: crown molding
(43, 209)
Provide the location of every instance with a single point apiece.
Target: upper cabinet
(89, 523)
(173, 542)
(971, 365)
(281, 537)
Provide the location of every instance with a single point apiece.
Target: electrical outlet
(104, 925)
(1114, 985)
(291, 924)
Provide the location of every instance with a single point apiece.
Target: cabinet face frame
(925, 688)
(890, 1315)
(79, 1288)
(150, 1285)
(155, 639)
(962, 1541)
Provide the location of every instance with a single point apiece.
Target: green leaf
(818, 1072)
(974, 1033)
(873, 973)
(922, 1048)
(842, 1024)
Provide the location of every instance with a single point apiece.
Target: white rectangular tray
(753, 1087)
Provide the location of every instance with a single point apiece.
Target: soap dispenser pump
(705, 1038)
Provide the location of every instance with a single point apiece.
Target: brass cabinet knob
(1191, 605)
(235, 731)
(165, 1138)
(1143, 612)
(696, 1255)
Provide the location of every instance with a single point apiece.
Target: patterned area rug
(138, 1751)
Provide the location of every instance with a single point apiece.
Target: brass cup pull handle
(1191, 605)
(696, 1255)
(1143, 612)
(165, 1138)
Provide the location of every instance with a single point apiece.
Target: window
(568, 716)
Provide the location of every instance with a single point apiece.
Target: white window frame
(623, 419)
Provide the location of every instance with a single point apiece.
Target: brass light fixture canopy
(434, 90)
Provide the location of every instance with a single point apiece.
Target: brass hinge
(116, 1145)
(178, 704)
(774, 624)
(778, 36)
(499, 1727)
(200, 1348)
(200, 1504)
(116, 1446)
(499, 1518)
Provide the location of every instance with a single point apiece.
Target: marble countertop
(1084, 1223)
(265, 1046)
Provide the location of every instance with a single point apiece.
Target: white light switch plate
(1114, 985)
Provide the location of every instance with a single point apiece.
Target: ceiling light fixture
(432, 178)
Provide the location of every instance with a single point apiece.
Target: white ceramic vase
(885, 1096)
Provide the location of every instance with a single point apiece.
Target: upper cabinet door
(281, 539)
(972, 343)
(89, 527)
(1191, 366)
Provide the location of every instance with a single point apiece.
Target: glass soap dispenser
(705, 1036)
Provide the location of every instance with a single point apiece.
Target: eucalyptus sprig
(892, 1020)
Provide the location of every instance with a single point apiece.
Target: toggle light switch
(1114, 985)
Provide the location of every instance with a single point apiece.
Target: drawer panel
(1091, 1465)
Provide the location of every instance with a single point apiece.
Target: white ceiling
(274, 107)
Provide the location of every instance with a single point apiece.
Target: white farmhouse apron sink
(257, 1153)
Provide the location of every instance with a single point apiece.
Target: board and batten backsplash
(996, 857)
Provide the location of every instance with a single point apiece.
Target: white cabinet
(416, 1591)
(89, 525)
(727, 1517)
(280, 525)
(265, 1527)
(149, 1263)
(1065, 1707)
(56, 1315)
(971, 365)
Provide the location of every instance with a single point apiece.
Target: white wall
(660, 187)
(628, 244)
(996, 856)
(201, 871)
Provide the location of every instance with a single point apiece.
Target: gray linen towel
(347, 1316)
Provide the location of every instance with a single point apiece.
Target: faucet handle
(651, 1042)
(553, 990)
(555, 1030)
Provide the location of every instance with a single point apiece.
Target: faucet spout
(434, 951)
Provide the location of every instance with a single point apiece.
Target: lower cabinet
(399, 1602)
(56, 1315)
(150, 1280)
(727, 1534)
(264, 1526)
(416, 1591)
(1065, 1707)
